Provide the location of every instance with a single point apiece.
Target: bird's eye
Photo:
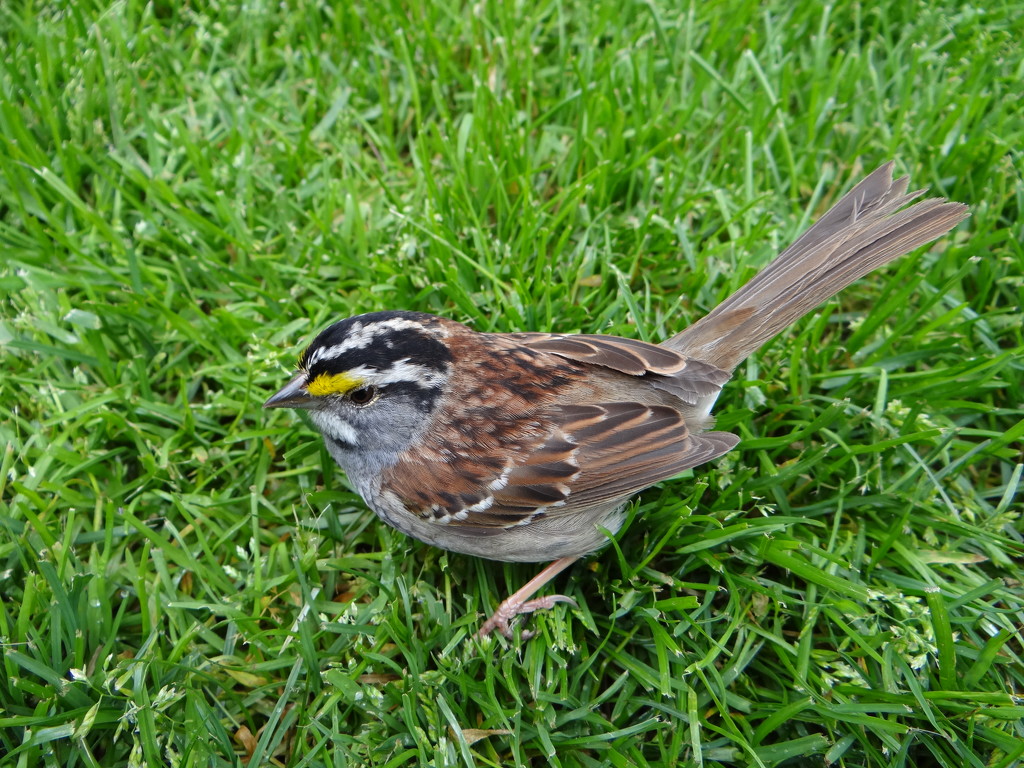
(363, 395)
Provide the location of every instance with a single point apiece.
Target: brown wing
(626, 355)
(626, 447)
(524, 446)
(592, 454)
(665, 369)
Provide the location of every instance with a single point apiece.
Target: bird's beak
(291, 395)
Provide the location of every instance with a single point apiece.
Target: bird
(526, 446)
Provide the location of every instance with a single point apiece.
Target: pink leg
(520, 603)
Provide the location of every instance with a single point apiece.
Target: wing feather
(668, 370)
(531, 444)
(593, 453)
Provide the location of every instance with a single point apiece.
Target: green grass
(188, 192)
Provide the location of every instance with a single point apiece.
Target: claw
(509, 609)
(518, 603)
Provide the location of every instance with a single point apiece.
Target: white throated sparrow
(523, 446)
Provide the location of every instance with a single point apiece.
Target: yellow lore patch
(333, 384)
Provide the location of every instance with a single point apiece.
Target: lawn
(189, 192)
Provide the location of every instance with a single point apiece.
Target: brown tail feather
(863, 231)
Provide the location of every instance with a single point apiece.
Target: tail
(863, 231)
